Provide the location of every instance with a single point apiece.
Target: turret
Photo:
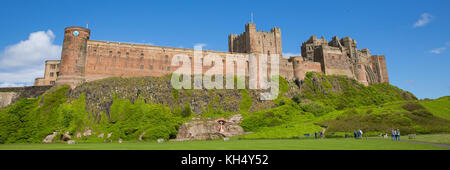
(73, 56)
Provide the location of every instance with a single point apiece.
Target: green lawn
(432, 138)
(299, 144)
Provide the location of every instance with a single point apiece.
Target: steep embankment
(149, 108)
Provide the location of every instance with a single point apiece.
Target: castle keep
(84, 60)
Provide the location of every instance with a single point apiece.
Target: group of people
(395, 134)
(318, 134)
(358, 134)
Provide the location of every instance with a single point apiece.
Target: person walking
(315, 135)
(393, 134)
(398, 134)
(355, 134)
(360, 134)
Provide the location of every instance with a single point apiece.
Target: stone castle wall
(84, 60)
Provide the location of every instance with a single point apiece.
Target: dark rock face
(11, 95)
(99, 95)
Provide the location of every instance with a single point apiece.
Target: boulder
(109, 135)
(87, 132)
(210, 129)
(142, 135)
(71, 142)
(120, 141)
(236, 119)
(49, 138)
(78, 135)
(101, 135)
(66, 137)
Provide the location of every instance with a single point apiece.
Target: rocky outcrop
(99, 95)
(10, 95)
(6, 98)
(210, 129)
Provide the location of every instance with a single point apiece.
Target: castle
(84, 60)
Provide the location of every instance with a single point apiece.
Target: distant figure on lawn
(393, 133)
(355, 134)
(315, 135)
(321, 135)
(398, 135)
(360, 133)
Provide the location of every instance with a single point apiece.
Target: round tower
(73, 56)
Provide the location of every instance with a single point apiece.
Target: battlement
(85, 60)
(255, 41)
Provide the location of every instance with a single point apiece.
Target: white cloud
(21, 63)
(424, 19)
(438, 50)
(287, 55)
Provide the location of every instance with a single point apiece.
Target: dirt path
(427, 143)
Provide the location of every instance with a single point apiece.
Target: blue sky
(413, 35)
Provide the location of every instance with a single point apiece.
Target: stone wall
(85, 60)
(50, 74)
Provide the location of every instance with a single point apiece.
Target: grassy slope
(439, 107)
(307, 144)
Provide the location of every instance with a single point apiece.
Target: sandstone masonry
(84, 60)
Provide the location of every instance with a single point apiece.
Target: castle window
(52, 82)
(142, 54)
(142, 67)
(168, 68)
(95, 52)
(57, 74)
(53, 66)
(151, 67)
(110, 53)
(166, 58)
(128, 54)
(270, 43)
(118, 54)
(51, 74)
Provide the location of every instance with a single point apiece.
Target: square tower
(254, 41)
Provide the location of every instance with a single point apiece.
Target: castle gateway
(84, 60)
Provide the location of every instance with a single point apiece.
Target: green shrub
(412, 106)
(316, 108)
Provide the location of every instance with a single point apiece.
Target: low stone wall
(10, 95)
